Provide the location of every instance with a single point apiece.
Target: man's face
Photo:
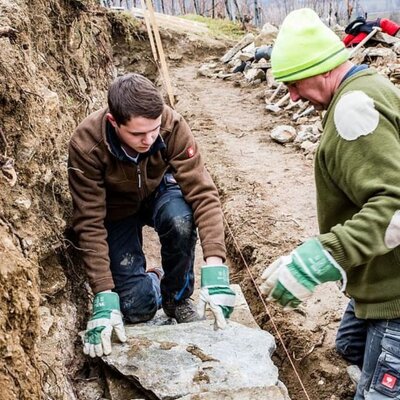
(138, 133)
(315, 89)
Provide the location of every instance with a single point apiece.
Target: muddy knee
(182, 229)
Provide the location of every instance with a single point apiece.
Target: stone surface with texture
(190, 361)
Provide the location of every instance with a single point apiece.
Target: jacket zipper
(139, 173)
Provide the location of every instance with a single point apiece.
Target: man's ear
(112, 120)
(326, 74)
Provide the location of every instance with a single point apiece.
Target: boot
(183, 311)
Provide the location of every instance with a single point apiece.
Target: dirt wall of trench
(55, 66)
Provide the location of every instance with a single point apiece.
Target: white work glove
(216, 293)
(291, 279)
(106, 316)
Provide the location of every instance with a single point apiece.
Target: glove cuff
(317, 262)
(106, 301)
(214, 275)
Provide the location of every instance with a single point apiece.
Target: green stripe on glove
(292, 279)
(216, 293)
(214, 276)
(106, 317)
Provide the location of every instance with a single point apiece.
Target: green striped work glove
(106, 316)
(292, 279)
(216, 293)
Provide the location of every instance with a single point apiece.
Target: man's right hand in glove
(106, 316)
(292, 279)
(216, 293)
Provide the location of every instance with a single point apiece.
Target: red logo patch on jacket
(190, 152)
(389, 380)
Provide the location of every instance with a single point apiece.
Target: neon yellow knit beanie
(305, 47)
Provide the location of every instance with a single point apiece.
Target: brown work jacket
(104, 187)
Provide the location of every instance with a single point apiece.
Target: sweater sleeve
(89, 204)
(198, 188)
(361, 157)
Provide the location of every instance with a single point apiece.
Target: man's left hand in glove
(292, 279)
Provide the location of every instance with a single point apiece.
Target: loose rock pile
(247, 64)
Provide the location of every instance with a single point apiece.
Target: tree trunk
(256, 14)
(196, 7)
(349, 9)
(238, 13)
(228, 11)
(182, 7)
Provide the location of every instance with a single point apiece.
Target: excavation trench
(268, 199)
(57, 61)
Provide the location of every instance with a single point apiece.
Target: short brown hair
(133, 95)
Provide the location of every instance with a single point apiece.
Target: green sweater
(357, 172)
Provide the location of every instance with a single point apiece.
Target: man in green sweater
(357, 173)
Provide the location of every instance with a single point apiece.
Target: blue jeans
(374, 345)
(140, 292)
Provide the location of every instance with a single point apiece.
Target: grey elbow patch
(355, 115)
(392, 234)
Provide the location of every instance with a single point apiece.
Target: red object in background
(387, 26)
(351, 40)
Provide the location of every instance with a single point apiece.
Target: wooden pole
(149, 31)
(365, 40)
(161, 54)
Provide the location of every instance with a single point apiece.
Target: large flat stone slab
(192, 361)
(241, 312)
